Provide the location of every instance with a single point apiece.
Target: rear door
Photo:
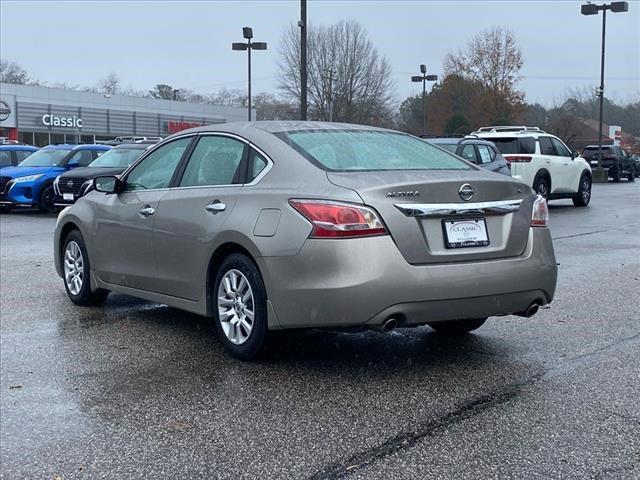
(124, 222)
(191, 214)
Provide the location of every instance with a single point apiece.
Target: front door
(192, 214)
(569, 177)
(125, 221)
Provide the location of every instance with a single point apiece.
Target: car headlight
(28, 178)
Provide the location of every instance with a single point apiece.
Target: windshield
(117, 157)
(45, 158)
(361, 150)
(593, 152)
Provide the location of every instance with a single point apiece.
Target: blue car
(13, 154)
(30, 183)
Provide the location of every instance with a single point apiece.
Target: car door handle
(147, 211)
(215, 207)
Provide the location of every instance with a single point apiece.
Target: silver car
(278, 225)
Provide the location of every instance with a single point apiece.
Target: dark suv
(72, 185)
(481, 152)
(614, 158)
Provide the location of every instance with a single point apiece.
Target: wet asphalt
(138, 390)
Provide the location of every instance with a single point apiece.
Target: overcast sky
(188, 44)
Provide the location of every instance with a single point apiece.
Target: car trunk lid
(414, 204)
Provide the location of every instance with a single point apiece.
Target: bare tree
(109, 85)
(12, 72)
(492, 57)
(344, 69)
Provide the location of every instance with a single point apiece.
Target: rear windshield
(593, 151)
(362, 150)
(515, 145)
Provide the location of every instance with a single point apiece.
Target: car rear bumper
(335, 283)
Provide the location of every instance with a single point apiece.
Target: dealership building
(41, 115)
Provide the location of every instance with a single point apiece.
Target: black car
(614, 158)
(481, 152)
(72, 185)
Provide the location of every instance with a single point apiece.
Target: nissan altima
(266, 226)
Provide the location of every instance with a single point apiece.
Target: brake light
(339, 220)
(540, 214)
(518, 158)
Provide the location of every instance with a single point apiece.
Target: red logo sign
(174, 127)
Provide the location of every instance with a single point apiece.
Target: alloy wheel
(586, 190)
(73, 267)
(236, 311)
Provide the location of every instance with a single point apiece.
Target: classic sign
(50, 120)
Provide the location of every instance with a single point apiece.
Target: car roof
(133, 146)
(276, 126)
(458, 140)
(18, 147)
(70, 146)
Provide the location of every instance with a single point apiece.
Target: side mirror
(575, 154)
(73, 165)
(107, 184)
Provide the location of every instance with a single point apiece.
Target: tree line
(349, 80)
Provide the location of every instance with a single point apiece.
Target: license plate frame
(470, 237)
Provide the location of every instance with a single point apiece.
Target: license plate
(67, 196)
(465, 233)
(594, 162)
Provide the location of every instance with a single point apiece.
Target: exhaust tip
(533, 309)
(389, 325)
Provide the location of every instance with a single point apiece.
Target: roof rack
(508, 128)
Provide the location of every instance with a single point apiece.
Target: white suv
(542, 161)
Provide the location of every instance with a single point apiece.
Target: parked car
(614, 158)
(542, 161)
(13, 154)
(30, 183)
(481, 152)
(278, 225)
(72, 185)
(636, 162)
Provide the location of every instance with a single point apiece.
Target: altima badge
(466, 192)
(410, 193)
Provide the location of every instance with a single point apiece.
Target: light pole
(247, 33)
(424, 78)
(600, 174)
(302, 23)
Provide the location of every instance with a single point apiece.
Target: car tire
(5, 208)
(238, 294)
(583, 197)
(542, 186)
(614, 173)
(47, 196)
(630, 176)
(457, 327)
(75, 265)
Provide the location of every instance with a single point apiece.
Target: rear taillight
(518, 158)
(338, 220)
(540, 214)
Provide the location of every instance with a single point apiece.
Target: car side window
(82, 158)
(157, 169)
(469, 153)
(22, 154)
(485, 154)
(561, 150)
(546, 147)
(215, 161)
(258, 163)
(5, 158)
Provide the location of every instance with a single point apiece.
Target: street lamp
(247, 33)
(600, 174)
(424, 78)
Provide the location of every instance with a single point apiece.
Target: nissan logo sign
(5, 110)
(466, 192)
